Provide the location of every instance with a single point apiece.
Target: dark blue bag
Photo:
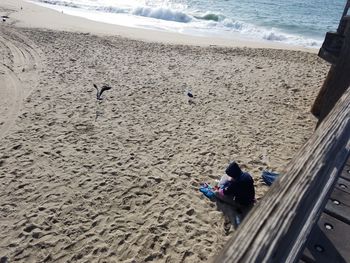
(207, 191)
(269, 177)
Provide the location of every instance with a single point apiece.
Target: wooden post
(278, 226)
(342, 24)
(338, 78)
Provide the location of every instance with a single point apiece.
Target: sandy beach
(117, 180)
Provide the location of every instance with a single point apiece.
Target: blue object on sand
(207, 191)
(269, 177)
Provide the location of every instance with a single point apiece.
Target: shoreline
(36, 16)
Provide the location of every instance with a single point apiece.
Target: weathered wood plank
(329, 241)
(343, 185)
(346, 172)
(339, 205)
(278, 226)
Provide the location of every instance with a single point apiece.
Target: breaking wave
(205, 22)
(162, 13)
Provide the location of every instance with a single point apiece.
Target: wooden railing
(278, 226)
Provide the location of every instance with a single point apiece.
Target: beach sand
(117, 180)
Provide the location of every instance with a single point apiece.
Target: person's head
(233, 170)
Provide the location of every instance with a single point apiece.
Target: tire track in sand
(19, 67)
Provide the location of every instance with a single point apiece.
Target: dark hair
(233, 170)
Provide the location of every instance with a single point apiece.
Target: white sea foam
(274, 37)
(138, 14)
(162, 13)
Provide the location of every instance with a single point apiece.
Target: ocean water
(294, 22)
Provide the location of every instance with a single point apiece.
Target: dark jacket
(242, 188)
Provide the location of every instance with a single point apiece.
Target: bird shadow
(191, 102)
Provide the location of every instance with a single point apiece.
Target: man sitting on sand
(238, 188)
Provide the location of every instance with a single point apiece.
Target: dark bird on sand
(99, 92)
(190, 97)
(189, 94)
(4, 18)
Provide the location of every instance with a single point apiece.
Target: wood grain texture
(277, 228)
